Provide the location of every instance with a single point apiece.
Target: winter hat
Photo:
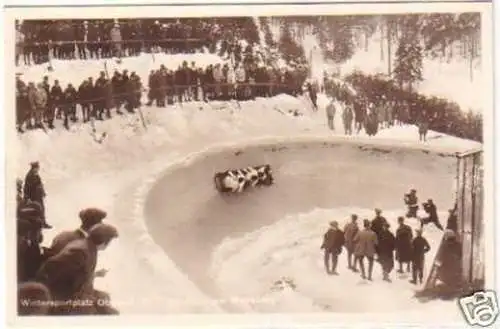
(91, 216)
(334, 224)
(32, 298)
(102, 233)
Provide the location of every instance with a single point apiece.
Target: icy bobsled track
(264, 243)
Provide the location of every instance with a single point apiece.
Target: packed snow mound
(127, 140)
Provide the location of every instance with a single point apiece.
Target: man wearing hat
(350, 231)
(385, 251)
(333, 240)
(420, 247)
(404, 238)
(89, 217)
(452, 222)
(70, 274)
(34, 190)
(365, 246)
(378, 222)
(411, 201)
(431, 210)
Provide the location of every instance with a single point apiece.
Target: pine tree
(409, 62)
(268, 37)
(344, 46)
(289, 48)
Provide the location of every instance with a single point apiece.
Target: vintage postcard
(267, 165)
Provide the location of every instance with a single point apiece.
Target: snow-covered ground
(78, 172)
(282, 268)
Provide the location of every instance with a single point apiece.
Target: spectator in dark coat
(451, 259)
(69, 105)
(70, 274)
(89, 218)
(29, 253)
(56, 99)
(404, 237)
(84, 98)
(34, 190)
(420, 247)
(350, 231)
(432, 215)
(366, 243)
(378, 222)
(411, 201)
(385, 250)
(452, 223)
(333, 240)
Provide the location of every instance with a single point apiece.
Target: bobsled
(239, 180)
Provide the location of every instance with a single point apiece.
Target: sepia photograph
(214, 160)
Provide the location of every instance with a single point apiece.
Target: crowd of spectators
(39, 40)
(39, 104)
(376, 101)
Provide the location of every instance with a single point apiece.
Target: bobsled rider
(411, 201)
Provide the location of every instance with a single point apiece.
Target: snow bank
(288, 272)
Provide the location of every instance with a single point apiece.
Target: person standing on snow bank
(431, 210)
(385, 251)
(347, 118)
(34, 190)
(378, 222)
(330, 114)
(38, 100)
(420, 247)
(404, 237)
(70, 274)
(89, 218)
(333, 240)
(313, 95)
(366, 243)
(350, 231)
(411, 201)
